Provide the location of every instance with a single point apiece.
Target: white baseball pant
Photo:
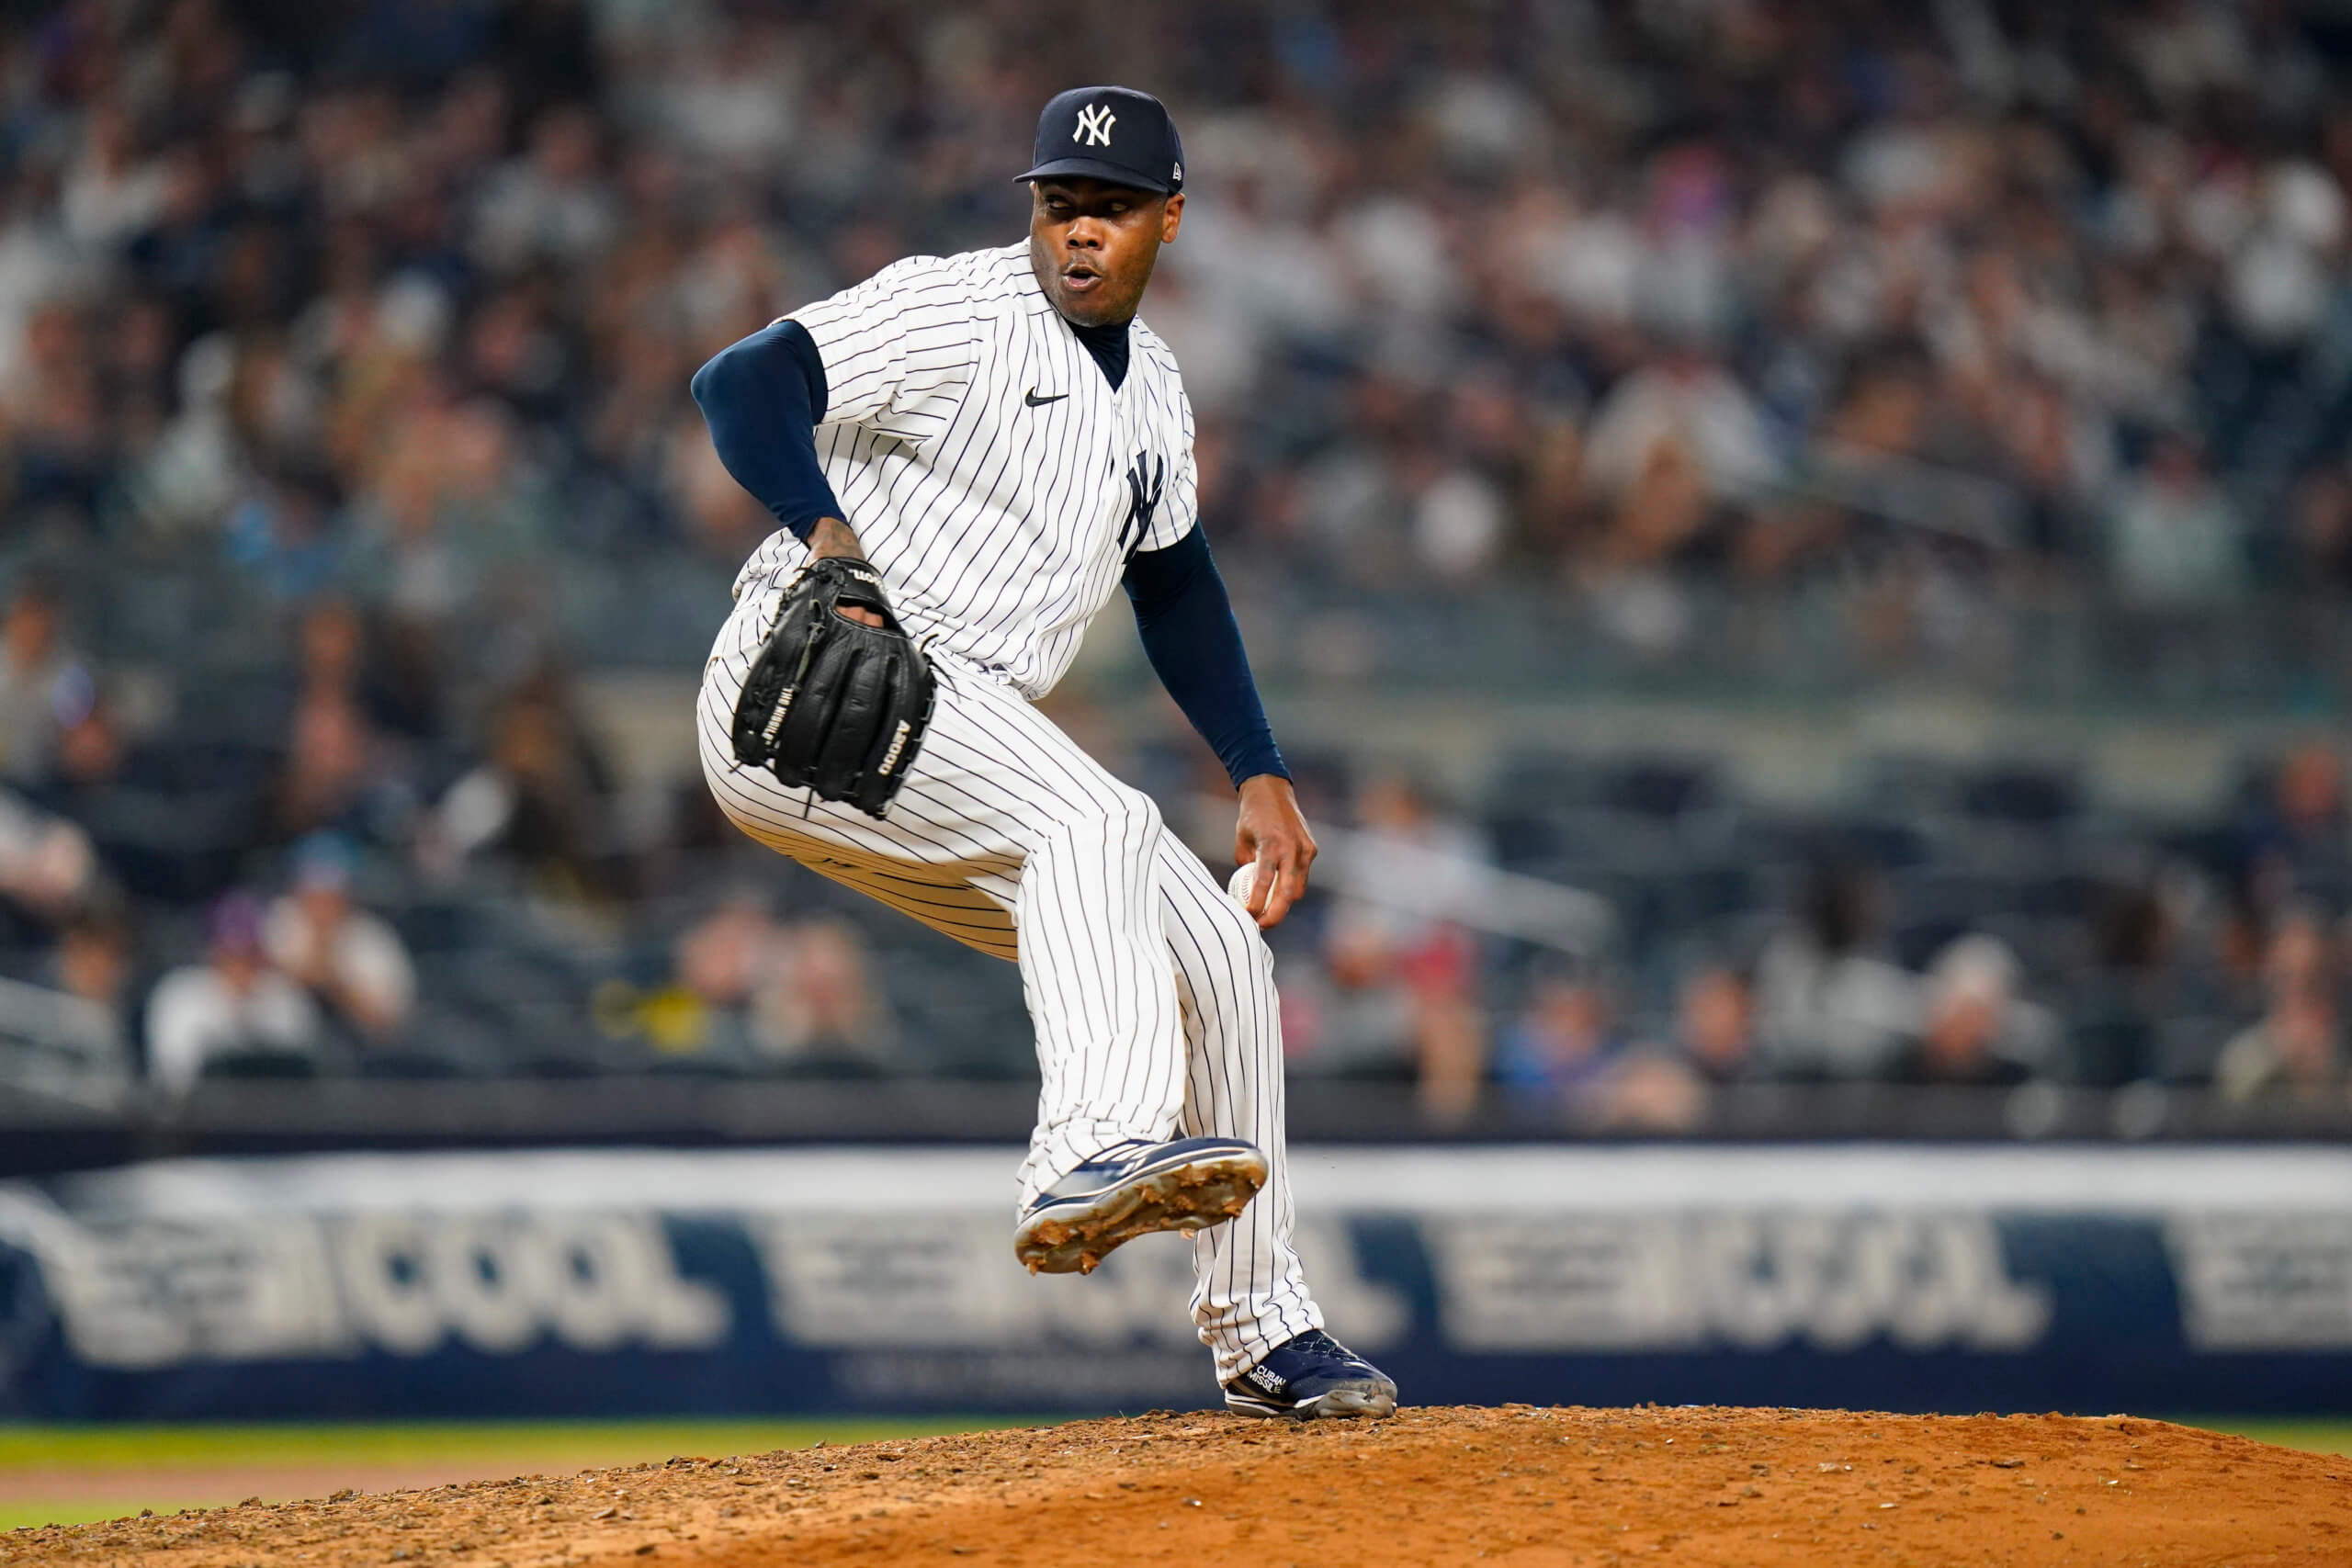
(1151, 991)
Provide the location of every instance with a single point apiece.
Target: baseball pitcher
(966, 455)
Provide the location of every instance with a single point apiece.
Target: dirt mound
(1430, 1486)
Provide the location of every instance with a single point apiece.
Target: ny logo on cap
(1094, 123)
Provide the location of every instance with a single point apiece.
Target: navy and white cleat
(1131, 1190)
(1309, 1378)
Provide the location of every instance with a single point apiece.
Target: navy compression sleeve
(762, 399)
(1186, 622)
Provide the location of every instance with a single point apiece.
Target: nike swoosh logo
(1035, 402)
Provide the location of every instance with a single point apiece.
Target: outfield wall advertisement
(560, 1284)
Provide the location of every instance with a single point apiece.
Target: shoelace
(1315, 1342)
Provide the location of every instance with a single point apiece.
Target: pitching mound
(1430, 1486)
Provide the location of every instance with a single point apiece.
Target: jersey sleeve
(1179, 512)
(899, 348)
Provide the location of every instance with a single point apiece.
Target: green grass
(488, 1449)
(544, 1442)
(2311, 1436)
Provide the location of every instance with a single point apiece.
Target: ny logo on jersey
(1142, 500)
(1094, 123)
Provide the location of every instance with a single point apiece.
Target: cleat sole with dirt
(1189, 1198)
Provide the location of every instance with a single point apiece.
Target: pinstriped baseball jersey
(1000, 484)
(994, 477)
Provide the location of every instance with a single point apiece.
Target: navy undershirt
(1109, 347)
(762, 397)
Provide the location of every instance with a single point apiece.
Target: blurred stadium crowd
(343, 353)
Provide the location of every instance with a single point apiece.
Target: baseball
(1243, 879)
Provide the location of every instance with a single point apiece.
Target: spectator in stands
(1858, 459)
(552, 207)
(1646, 1090)
(823, 1012)
(48, 867)
(94, 963)
(91, 754)
(352, 964)
(1388, 953)
(232, 1005)
(1558, 1052)
(441, 535)
(2174, 539)
(1715, 1024)
(2296, 1048)
(1976, 1033)
(333, 760)
(1827, 1006)
(2298, 845)
(752, 988)
(60, 452)
(1665, 1087)
(2112, 1035)
(66, 1037)
(282, 532)
(39, 680)
(2320, 537)
(389, 677)
(342, 771)
(1670, 443)
(720, 969)
(540, 804)
(1346, 1013)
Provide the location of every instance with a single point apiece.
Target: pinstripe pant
(1151, 991)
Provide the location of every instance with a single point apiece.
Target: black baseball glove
(832, 704)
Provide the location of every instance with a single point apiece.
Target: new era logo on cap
(1109, 133)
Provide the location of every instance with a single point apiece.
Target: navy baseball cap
(1109, 133)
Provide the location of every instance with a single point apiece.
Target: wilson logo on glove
(898, 744)
(834, 705)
